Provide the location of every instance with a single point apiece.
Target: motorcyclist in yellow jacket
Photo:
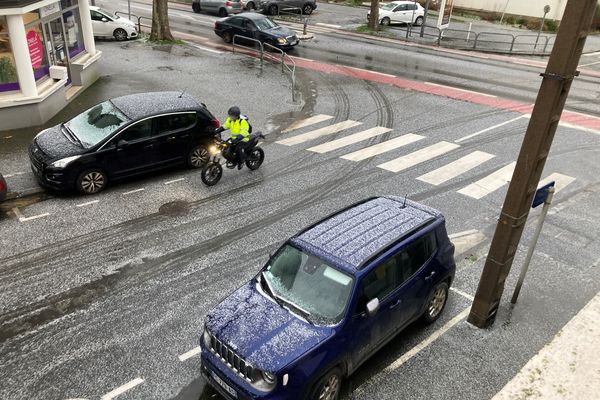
(240, 134)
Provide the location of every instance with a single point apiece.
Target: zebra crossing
(485, 186)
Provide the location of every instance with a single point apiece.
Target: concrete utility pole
(556, 82)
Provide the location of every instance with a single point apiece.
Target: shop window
(37, 50)
(73, 33)
(8, 73)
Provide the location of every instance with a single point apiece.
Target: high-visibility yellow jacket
(238, 127)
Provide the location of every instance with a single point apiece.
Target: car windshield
(265, 23)
(97, 123)
(309, 284)
(389, 6)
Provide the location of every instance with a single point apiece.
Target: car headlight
(264, 381)
(206, 337)
(63, 162)
(269, 378)
(281, 40)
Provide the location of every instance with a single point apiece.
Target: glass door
(57, 45)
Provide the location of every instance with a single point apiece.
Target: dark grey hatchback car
(122, 137)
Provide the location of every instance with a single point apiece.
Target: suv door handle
(171, 138)
(149, 146)
(427, 278)
(396, 304)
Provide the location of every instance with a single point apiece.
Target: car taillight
(228, 3)
(2, 186)
(215, 122)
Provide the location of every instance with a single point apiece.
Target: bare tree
(160, 21)
(374, 15)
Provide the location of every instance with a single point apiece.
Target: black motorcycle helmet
(234, 112)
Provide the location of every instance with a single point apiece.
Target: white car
(400, 12)
(106, 25)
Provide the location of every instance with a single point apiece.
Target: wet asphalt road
(93, 296)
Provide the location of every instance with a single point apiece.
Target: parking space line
(348, 140)
(206, 49)
(456, 168)
(174, 180)
(432, 338)
(460, 90)
(462, 139)
(190, 354)
(89, 203)
(561, 181)
(328, 25)
(587, 65)
(315, 119)
(328, 130)
(15, 174)
(22, 218)
(382, 147)
(122, 389)
(463, 294)
(133, 191)
(419, 156)
(490, 183)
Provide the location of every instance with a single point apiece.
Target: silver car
(275, 7)
(221, 7)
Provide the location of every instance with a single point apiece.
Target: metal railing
(285, 66)
(138, 18)
(260, 46)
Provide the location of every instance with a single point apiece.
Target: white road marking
(174, 180)
(372, 72)
(328, 25)
(328, 130)
(348, 140)
(7, 137)
(489, 129)
(465, 241)
(432, 338)
(383, 147)
(463, 294)
(581, 128)
(89, 203)
(456, 168)
(206, 49)
(596, 53)
(587, 65)
(122, 389)
(22, 218)
(190, 354)
(490, 183)
(133, 191)
(15, 174)
(418, 157)
(315, 119)
(460, 90)
(561, 181)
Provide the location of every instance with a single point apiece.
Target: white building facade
(529, 8)
(47, 56)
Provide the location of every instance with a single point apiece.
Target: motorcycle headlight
(281, 40)
(62, 163)
(214, 150)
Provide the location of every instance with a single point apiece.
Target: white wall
(531, 8)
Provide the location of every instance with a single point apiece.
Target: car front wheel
(419, 21)
(328, 387)
(307, 9)
(223, 13)
(120, 34)
(198, 157)
(250, 6)
(227, 37)
(385, 21)
(436, 302)
(273, 10)
(91, 181)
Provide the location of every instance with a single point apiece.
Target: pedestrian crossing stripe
(561, 181)
(348, 140)
(328, 130)
(419, 156)
(456, 168)
(490, 183)
(382, 147)
(315, 119)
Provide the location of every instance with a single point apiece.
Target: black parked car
(256, 26)
(3, 188)
(121, 137)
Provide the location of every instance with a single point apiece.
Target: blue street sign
(541, 194)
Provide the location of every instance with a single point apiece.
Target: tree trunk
(374, 19)
(160, 21)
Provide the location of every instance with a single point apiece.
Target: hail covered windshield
(309, 284)
(265, 23)
(97, 123)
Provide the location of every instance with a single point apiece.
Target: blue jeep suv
(328, 299)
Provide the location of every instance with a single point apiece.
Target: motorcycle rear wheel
(255, 159)
(212, 173)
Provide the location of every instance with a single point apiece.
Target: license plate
(225, 386)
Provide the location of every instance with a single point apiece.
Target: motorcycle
(213, 170)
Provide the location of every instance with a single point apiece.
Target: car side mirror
(373, 307)
(104, 19)
(122, 143)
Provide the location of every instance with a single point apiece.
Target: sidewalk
(568, 367)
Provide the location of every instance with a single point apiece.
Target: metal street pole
(532, 245)
(424, 18)
(546, 11)
(129, 8)
(412, 20)
(553, 93)
(504, 11)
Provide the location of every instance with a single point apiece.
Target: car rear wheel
(250, 6)
(196, 7)
(328, 387)
(273, 10)
(120, 34)
(227, 37)
(419, 21)
(223, 12)
(198, 157)
(385, 21)
(436, 302)
(91, 181)
(307, 9)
